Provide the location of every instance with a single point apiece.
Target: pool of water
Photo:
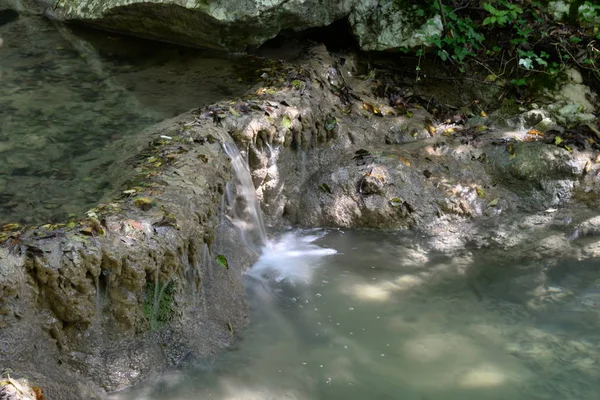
(74, 104)
(371, 315)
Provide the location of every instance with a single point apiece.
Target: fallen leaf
(325, 187)
(370, 107)
(558, 140)
(510, 148)
(10, 227)
(144, 203)
(535, 132)
(480, 192)
(39, 393)
(137, 225)
(87, 230)
(551, 210)
(493, 203)
(222, 261)
(404, 161)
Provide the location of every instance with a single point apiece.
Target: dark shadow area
(289, 44)
(7, 16)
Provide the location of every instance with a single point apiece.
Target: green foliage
(222, 261)
(519, 39)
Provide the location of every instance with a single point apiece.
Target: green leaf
(558, 140)
(325, 187)
(489, 8)
(489, 20)
(222, 261)
(493, 203)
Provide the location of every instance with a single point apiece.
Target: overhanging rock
(235, 25)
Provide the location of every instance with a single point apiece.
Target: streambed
(74, 105)
(373, 315)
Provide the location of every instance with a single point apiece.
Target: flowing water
(374, 315)
(241, 203)
(74, 104)
(381, 315)
(335, 314)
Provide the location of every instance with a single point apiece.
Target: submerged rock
(235, 25)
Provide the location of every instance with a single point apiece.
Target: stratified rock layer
(235, 25)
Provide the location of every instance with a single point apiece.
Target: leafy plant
(518, 39)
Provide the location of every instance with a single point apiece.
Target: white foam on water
(292, 257)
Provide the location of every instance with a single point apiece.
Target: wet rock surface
(134, 288)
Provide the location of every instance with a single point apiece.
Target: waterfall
(242, 204)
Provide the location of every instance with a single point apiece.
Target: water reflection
(74, 105)
(384, 318)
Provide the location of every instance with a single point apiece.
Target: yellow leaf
(510, 148)
(535, 132)
(480, 191)
(144, 203)
(87, 230)
(404, 161)
(11, 227)
(483, 114)
(558, 140)
(370, 107)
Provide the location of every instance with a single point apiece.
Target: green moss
(158, 309)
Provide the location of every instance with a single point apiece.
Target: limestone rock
(235, 25)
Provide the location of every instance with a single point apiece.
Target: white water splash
(293, 257)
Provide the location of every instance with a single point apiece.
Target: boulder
(137, 285)
(235, 25)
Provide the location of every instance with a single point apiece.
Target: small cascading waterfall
(242, 204)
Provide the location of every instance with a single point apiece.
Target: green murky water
(385, 318)
(73, 106)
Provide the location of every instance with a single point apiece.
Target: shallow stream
(372, 315)
(74, 105)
